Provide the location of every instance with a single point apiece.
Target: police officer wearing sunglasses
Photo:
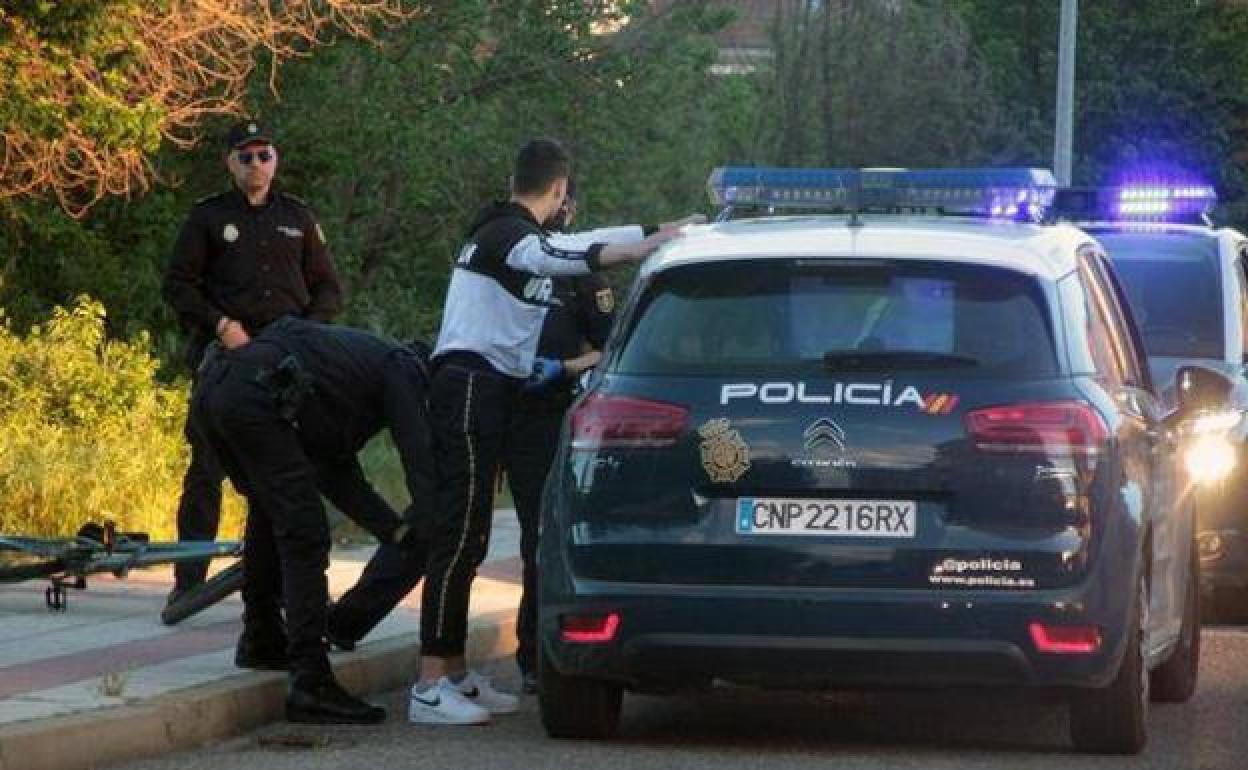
(243, 258)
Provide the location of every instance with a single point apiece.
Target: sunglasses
(263, 156)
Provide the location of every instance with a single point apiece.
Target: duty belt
(288, 381)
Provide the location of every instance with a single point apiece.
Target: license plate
(837, 518)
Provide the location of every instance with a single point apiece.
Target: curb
(193, 717)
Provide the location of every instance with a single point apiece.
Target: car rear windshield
(787, 315)
(1172, 284)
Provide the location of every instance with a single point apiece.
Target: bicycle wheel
(204, 595)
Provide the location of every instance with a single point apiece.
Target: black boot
(262, 652)
(318, 699)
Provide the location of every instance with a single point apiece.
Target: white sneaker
(478, 690)
(444, 704)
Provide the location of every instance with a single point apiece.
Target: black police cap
(247, 132)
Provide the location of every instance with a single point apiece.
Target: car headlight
(1209, 458)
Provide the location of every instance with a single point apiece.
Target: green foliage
(89, 433)
(1157, 82)
(866, 83)
(98, 31)
(398, 147)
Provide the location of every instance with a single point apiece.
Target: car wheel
(1175, 680)
(1111, 719)
(577, 707)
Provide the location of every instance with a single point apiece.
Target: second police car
(1187, 285)
(873, 449)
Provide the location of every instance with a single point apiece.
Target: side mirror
(1198, 388)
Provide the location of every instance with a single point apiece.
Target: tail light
(1056, 427)
(624, 422)
(1065, 640)
(589, 629)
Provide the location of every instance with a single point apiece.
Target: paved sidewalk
(106, 681)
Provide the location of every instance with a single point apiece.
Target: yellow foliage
(87, 433)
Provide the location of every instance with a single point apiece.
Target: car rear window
(1172, 284)
(780, 315)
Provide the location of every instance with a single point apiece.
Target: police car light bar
(1156, 203)
(1010, 193)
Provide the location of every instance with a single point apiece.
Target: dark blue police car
(866, 449)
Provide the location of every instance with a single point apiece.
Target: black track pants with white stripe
(469, 410)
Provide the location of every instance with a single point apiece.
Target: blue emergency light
(1007, 193)
(1174, 203)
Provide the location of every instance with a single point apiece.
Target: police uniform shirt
(251, 263)
(582, 312)
(361, 383)
(500, 293)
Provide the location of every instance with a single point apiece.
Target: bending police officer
(287, 414)
(242, 259)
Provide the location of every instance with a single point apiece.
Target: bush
(87, 432)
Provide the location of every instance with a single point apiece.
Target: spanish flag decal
(940, 403)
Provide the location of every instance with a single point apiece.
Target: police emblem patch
(605, 299)
(229, 233)
(725, 455)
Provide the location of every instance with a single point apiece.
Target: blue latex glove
(546, 372)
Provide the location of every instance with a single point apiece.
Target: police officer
(287, 415)
(243, 258)
(575, 331)
(495, 307)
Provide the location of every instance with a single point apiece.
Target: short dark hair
(538, 164)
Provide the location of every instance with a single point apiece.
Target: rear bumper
(677, 638)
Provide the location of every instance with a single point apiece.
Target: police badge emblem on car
(725, 455)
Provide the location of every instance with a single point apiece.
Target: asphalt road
(751, 729)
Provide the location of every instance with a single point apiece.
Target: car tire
(574, 707)
(1175, 680)
(1113, 719)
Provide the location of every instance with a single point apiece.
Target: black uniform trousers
(199, 509)
(287, 535)
(390, 575)
(532, 438)
(469, 408)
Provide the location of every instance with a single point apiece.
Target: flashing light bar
(1008, 193)
(1156, 203)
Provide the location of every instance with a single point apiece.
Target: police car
(872, 449)
(1186, 283)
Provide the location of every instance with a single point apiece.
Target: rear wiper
(874, 359)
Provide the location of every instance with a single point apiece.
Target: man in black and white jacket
(492, 321)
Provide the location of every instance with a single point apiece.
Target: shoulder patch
(295, 199)
(211, 197)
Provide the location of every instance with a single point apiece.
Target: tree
(397, 143)
(93, 88)
(875, 82)
(1158, 83)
